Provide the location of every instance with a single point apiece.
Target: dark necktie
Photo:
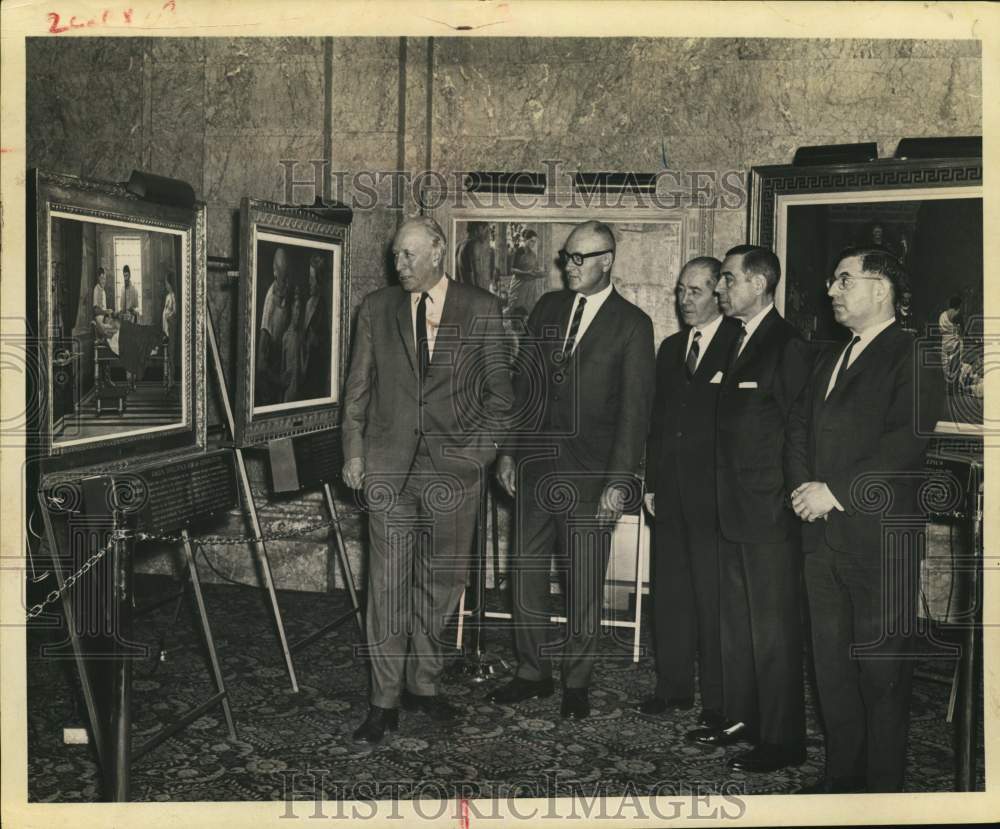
(691, 363)
(844, 362)
(574, 327)
(423, 352)
(738, 342)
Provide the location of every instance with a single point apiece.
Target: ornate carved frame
(48, 193)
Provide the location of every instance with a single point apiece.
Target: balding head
(697, 303)
(418, 250)
(593, 244)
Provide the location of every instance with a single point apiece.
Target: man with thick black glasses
(583, 394)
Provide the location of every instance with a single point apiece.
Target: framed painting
(928, 213)
(117, 318)
(511, 247)
(293, 314)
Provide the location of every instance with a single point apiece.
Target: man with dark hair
(590, 370)
(857, 420)
(759, 549)
(424, 404)
(680, 494)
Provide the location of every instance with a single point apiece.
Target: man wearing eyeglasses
(759, 572)
(860, 420)
(583, 394)
(680, 494)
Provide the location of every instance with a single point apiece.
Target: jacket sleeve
(527, 366)
(498, 393)
(636, 401)
(357, 389)
(654, 441)
(796, 460)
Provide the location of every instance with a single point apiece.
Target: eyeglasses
(845, 282)
(577, 258)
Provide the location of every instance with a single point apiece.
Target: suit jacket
(590, 413)
(680, 452)
(755, 402)
(461, 409)
(864, 437)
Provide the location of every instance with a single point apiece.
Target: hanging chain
(121, 535)
(54, 595)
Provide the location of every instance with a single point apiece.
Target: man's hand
(813, 500)
(649, 499)
(612, 503)
(507, 474)
(354, 473)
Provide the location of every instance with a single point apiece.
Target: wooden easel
(260, 549)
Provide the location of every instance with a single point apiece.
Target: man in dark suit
(680, 494)
(859, 425)
(423, 409)
(759, 551)
(585, 388)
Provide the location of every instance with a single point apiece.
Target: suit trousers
(863, 612)
(421, 545)
(761, 640)
(685, 592)
(581, 547)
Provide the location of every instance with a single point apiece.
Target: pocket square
(717, 378)
(748, 384)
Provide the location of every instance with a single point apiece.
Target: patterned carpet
(305, 737)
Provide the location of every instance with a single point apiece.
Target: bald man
(425, 401)
(583, 400)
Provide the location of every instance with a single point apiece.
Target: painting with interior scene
(292, 303)
(116, 300)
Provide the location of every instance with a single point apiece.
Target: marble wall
(225, 113)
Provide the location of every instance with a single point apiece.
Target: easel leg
(220, 685)
(96, 731)
(259, 548)
(345, 562)
(265, 565)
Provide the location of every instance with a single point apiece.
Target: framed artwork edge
(301, 225)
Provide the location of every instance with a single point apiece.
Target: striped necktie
(574, 327)
(691, 363)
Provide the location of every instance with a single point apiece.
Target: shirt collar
(596, 300)
(709, 328)
(435, 293)
(865, 337)
(754, 321)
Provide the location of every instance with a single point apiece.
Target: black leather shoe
(434, 706)
(726, 735)
(519, 690)
(839, 785)
(575, 704)
(654, 706)
(373, 729)
(711, 718)
(765, 758)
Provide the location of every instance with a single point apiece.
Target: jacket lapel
(758, 336)
(863, 359)
(404, 321)
(603, 313)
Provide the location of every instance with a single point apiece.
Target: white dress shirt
(707, 332)
(594, 303)
(864, 339)
(432, 312)
(752, 324)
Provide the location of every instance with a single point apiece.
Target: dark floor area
(527, 750)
